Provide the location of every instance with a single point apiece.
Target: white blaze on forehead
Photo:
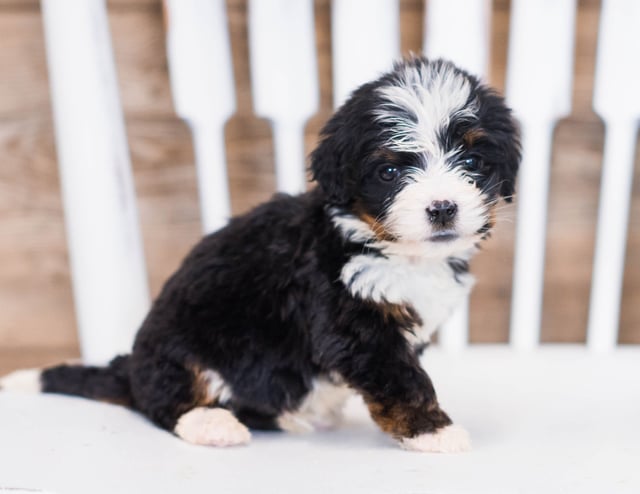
(422, 103)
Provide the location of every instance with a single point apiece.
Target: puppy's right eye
(388, 173)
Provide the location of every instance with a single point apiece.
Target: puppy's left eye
(388, 173)
(471, 162)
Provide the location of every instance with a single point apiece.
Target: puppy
(273, 320)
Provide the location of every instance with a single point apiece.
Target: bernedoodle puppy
(272, 321)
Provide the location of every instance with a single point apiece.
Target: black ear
(509, 142)
(328, 163)
(504, 134)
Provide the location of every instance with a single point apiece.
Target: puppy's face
(420, 156)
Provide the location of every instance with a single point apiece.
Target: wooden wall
(36, 307)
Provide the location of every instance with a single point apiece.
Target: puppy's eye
(471, 163)
(388, 173)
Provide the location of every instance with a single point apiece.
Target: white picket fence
(109, 279)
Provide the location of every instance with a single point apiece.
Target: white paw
(449, 439)
(26, 381)
(212, 427)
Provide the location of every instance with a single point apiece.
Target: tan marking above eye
(472, 136)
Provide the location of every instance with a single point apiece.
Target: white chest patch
(427, 285)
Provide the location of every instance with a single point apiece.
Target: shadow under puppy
(273, 320)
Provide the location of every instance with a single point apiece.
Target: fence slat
(470, 52)
(470, 17)
(284, 80)
(617, 101)
(365, 36)
(107, 262)
(539, 80)
(203, 90)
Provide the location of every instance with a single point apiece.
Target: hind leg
(186, 400)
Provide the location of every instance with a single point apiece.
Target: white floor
(556, 421)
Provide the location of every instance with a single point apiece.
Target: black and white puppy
(272, 321)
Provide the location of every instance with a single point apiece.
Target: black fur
(458, 266)
(109, 383)
(261, 302)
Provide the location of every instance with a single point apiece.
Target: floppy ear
(509, 140)
(328, 166)
(504, 133)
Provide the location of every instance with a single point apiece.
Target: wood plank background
(36, 308)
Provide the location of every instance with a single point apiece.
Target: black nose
(442, 212)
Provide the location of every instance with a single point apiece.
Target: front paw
(449, 439)
(212, 427)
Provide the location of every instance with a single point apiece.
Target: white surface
(202, 85)
(539, 79)
(617, 101)
(555, 421)
(107, 262)
(365, 37)
(284, 79)
(471, 52)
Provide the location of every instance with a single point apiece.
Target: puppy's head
(420, 156)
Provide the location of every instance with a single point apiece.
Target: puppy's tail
(110, 383)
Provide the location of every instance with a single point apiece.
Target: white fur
(356, 230)
(218, 390)
(407, 218)
(212, 427)
(351, 227)
(428, 286)
(26, 381)
(414, 273)
(450, 439)
(321, 408)
(432, 96)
